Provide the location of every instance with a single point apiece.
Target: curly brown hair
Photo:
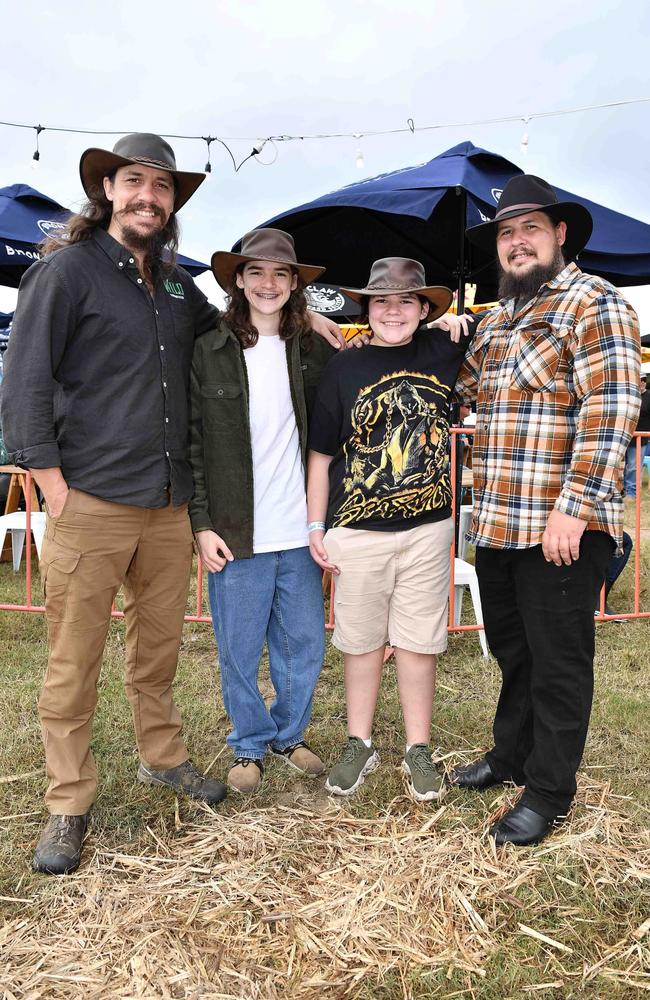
(96, 213)
(294, 321)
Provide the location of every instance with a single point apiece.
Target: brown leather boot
(58, 851)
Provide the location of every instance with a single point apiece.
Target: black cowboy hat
(527, 193)
(139, 147)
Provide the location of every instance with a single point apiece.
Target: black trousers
(539, 624)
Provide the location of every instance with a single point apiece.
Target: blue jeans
(629, 476)
(274, 597)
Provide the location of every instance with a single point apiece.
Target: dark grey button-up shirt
(97, 373)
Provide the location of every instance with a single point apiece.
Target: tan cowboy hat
(261, 244)
(526, 193)
(139, 147)
(391, 275)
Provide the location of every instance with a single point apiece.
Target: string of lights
(273, 140)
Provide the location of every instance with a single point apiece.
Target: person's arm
(45, 318)
(213, 550)
(317, 497)
(606, 379)
(54, 488)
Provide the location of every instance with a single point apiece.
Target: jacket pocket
(221, 406)
(539, 358)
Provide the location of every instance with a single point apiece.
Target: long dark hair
(96, 213)
(294, 321)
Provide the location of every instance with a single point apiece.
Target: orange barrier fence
(200, 616)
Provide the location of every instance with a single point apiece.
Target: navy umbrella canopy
(423, 212)
(27, 217)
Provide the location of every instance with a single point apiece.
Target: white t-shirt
(280, 510)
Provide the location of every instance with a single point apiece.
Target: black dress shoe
(475, 776)
(522, 826)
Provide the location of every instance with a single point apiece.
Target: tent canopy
(423, 211)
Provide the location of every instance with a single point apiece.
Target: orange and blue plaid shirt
(557, 390)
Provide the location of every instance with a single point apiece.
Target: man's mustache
(140, 206)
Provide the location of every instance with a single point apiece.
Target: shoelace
(420, 758)
(245, 761)
(351, 751)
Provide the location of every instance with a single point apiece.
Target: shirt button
(219, 392)
(139, 281)
(156, 312)
(167, 454)
(162, 347)
(120, 264)
(164, 385)
(166, 420)
(131, 260)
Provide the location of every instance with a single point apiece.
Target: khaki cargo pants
(91, 549)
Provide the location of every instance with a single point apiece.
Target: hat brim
(578, 220)
(224, 265)
(95, 164)
(439, 296)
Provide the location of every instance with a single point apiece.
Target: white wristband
(315, 526)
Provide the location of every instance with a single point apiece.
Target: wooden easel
(17, 489)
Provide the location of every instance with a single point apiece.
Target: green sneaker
(424, 781)
(357, 761)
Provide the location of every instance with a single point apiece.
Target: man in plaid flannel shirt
(555, 371)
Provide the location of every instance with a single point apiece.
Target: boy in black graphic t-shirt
(379, 481)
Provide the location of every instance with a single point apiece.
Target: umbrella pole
(460, 308)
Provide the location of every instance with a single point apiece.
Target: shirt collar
(119, 254)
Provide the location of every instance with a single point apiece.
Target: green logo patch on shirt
(174, 288)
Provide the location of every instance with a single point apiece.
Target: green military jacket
(220, 439)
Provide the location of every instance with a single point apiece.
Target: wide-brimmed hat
(527, 193)
(261, 244)
(139, 147)
(392, 275)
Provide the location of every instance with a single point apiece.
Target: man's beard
(150, 244)
(525, 286)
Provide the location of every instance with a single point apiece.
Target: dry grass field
(291, 894)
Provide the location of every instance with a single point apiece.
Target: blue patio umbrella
(27, 217)
(423, 212)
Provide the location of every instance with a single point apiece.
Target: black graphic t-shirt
(382, 413)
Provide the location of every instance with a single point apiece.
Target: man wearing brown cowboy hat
(95, 403)
(555, 369)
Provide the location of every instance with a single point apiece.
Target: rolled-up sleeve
(44, 319)
(606, 379)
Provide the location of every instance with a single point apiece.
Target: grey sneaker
(357, 761)
(58, 851)
(424, 782)
(186, 779)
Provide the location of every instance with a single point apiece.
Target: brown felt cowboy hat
(261, 244)
(392, 275)
(139, 147)
(527, 193)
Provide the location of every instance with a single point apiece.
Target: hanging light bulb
(359, 159)
(37, 155)
(208, 166)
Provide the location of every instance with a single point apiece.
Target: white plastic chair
(16, 523)
(464, 521)
(465, 576)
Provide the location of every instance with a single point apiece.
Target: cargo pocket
(57, 566)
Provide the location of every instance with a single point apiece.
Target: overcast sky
(210, 67)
